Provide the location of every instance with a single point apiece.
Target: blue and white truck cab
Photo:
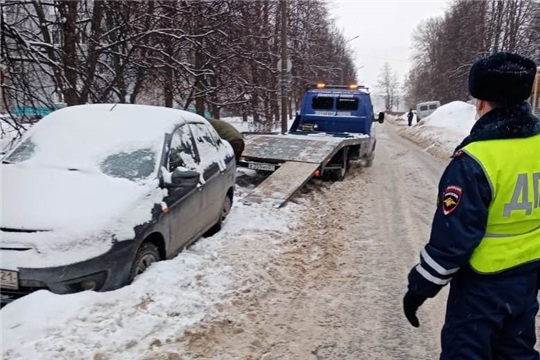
(336, 109)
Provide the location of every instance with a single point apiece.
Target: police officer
(229, 133)
(485, 238)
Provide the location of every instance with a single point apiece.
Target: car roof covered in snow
(157, 116)
(81, 136)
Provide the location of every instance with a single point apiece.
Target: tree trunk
(68, 10)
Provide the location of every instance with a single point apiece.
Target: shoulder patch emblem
(451, 198)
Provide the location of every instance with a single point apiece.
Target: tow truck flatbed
(294, 159)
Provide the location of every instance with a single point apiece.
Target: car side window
(203, 138)
(182, 151)
(214, 135)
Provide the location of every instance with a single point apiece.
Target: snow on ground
(250, 126)
(403, 118)
(157, 308)
(443, 130)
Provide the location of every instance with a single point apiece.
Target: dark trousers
(238, 148)
(491, 319)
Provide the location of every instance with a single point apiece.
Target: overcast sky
(385, 29)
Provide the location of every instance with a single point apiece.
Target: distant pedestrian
(229, 133)
(410, 117)
(485, 237)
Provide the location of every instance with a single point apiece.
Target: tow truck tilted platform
(333, 127)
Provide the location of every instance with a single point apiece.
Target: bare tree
(446, 47)
(388, 85)
(205, 56)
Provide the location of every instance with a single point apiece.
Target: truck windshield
(322, 103)
(349, 104)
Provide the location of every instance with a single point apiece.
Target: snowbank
(443, 130)
(156, 309)
(250, 126)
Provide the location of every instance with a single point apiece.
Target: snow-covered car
(94, 194)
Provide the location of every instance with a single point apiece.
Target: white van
(425, 109)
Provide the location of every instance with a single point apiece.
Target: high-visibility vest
(512, 237)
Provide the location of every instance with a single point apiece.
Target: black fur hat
(502, 77)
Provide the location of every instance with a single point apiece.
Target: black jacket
(455, 236)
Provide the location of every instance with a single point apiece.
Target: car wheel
(147, 254)
(227, 205)
(225, 210)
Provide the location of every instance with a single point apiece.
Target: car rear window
(433, 107)
(350, 104)
(423, 108)
(322, 103)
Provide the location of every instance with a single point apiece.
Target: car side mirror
(181, 177)
(381, 117)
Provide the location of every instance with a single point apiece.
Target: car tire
(225, 210)
(147, 254)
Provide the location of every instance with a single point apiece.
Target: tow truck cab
(336, 109)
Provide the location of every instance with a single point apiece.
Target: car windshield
(23, 152)
(118, 146)
(133, 165)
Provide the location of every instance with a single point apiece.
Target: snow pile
(156, 309)
(251, 126)
(404, 119)
(445, 128)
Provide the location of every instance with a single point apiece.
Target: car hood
(56, 210)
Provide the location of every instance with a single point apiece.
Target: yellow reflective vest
(512, 237)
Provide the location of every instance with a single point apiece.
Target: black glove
(411, 303)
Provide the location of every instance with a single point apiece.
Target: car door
(212, 168)
(185, 203)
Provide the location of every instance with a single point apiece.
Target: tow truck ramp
(283, 183)
(294, 160)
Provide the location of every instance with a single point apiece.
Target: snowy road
(335, 291)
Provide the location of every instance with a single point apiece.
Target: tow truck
(333, 127)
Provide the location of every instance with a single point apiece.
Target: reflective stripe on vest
(512, 236)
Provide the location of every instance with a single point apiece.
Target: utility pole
(284, 64)
(3, 106)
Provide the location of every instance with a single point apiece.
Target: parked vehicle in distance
(94, 194)
(423, 110)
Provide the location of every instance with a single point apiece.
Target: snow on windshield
(123, 143)
(134, 165)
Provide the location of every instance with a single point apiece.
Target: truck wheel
(339, 175)
(369, 163)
